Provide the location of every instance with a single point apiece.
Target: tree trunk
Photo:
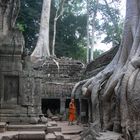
(59, 13)
(88, 35)
(42, 48)
(93, 30)
(116, 89)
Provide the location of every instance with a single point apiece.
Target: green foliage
(71, 27)
(20, 26)
(71, 33)
(109, 23)
(29, 18)
(70, 36)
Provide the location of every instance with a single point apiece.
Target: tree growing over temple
(114, 92)
(42, 49)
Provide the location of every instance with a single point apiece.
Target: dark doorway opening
(84, 111)
(52, 104)
(11, 89)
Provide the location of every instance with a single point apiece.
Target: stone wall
(23, 84)
(100, 63)
(43, 80)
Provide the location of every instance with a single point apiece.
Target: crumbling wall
(100, 63)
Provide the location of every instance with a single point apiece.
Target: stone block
(52, 123)
(58, 135)
(39, 127)
(33, 120)
(55, 118)
(2, 126)
(50, 136)
(53, 129)
(6, 138)
(65, 137)
(39, 135)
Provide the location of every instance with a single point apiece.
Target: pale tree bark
(91, 19)
(88, 34)
(59, 13)
(93, 30)
(42, 48)
(115, 91)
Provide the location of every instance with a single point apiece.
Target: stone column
(62, 105)
(80, 102)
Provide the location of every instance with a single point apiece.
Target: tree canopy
(71, 32)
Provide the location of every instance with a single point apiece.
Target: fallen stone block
(59, 135)
(52, 123)
(49, 125)
(53, 129)
(55, 118)
(50, 136)
(65, 137)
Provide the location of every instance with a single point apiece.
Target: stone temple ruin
(29, 90)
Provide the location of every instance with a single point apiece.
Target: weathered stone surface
(24, 84)
(59, 135)
(100, 63)
(11, 48)
(2, 127)
(53, 129)
(65, 137)
(7, 138)
(50, 136)
(52, 123)
(108, 136)
(37, 127)
(31, 135)
(55, 118)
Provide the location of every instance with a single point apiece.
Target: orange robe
(72, 111)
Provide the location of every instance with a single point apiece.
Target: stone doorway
(84, 111)
(52, 104)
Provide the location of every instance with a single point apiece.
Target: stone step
(24, 135)
(53, 129)
(38, 127)
(50, 136)
(2, 127)
(52, 123)
(40, 135)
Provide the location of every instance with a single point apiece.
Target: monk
(72, 112)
